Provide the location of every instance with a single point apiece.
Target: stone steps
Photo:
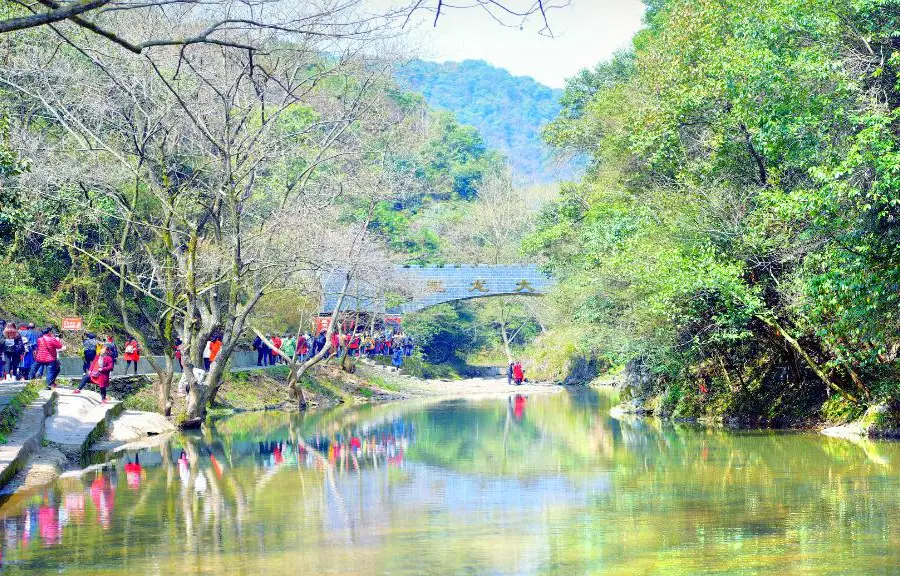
(80, 419)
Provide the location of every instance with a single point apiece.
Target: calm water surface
(537, 485)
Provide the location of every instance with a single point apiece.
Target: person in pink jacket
(100, 371)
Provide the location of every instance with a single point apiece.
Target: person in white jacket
(207, 354)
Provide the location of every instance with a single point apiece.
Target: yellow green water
(539, 485)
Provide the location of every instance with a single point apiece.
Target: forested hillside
(735, 240)
(508, 110)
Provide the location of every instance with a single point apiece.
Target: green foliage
(419, 367)
(455, 158)
(507, 110)
(738, 222)
(441, 332)
(10, 415)
(142, 402)
(837, 410)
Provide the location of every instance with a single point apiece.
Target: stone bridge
(433, 285)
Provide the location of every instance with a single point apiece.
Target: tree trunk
(505, 335)
(164, 388)
(814, 366)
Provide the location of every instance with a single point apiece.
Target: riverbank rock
(852, 431)
(133, 425)
(633, 407)
(43, 467)
(879, 421)
(582, 370)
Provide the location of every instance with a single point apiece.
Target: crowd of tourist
(396, 345)
(28, 352)
(515, 373)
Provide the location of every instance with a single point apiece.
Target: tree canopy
(738, 221)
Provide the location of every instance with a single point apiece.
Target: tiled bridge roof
(432, 285)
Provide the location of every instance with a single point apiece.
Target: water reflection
(526, 485)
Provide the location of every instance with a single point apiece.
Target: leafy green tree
(736, 226)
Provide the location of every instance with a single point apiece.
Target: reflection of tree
(563, 490)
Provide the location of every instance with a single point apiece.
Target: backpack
(90, 345)
(9, 346)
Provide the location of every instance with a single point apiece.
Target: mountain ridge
(509, 111)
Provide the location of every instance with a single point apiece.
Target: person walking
(303, 347)
(274, 358)
(319, 344)
(86, 377)
(408, 345)
(47, 356)
(113, 349)
(397, 360)
(102, 368)
(177, 348)
(207, 355)
(29, 341)
(12, 350)
(89, 347)
(289, 347)
(262, 351)
(335, 344)
(132, 354)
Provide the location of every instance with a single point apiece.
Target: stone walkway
(79, 420)
(28, 435)
(8, 391)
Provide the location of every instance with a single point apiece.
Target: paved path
(8, 391)
(413, 387)
(80, 419)
(28, 435)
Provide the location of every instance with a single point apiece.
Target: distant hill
(508, 110)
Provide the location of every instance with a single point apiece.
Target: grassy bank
(758, 399)
(9, 416)
(456, 369)
(267, 389)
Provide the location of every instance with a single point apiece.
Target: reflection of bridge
(433, 285)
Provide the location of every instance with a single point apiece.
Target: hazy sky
(585, 32)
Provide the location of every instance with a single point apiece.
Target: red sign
(72, 324)
(398, 320)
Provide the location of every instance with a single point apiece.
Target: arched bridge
(433, 285)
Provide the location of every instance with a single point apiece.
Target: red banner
(398, 320)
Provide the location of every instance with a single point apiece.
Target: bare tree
(510, 13)
(218, 18)
(246, 24)
(221, 172)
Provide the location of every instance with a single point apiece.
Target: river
(545, 484)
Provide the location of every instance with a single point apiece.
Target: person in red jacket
(132, 354)
(335, 344)
(47, 356)
(518, 374)
(102, 367)
(302, 348)
(214, 348)
(275, 359)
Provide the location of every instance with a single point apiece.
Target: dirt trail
(411, 387)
